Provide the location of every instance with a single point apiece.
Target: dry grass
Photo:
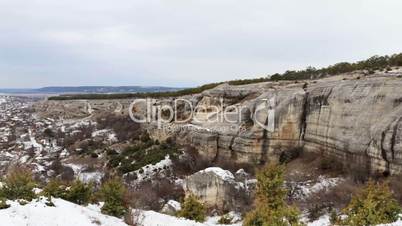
(152, 195)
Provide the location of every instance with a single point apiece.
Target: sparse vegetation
(112, 193)
(373, 205)
(271, 207)
(19, 184)
(3, 204)
(137, 156)
(79, 193)
(193, 209)
(124, 128)
(55, 188)
(316, 211)
(225, 219)
(147, 195)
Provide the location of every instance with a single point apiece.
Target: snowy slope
(64, 214)
(36, 213)
(151, 218)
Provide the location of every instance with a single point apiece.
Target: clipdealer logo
(262, 112)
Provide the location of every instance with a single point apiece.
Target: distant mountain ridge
(91, 89)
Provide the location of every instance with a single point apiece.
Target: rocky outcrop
(218, 188)
(358, 120)
(171, 208)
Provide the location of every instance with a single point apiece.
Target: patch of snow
(83, 176)
(179, 182)
(236, 219)
(112, 137)
(90, 110)
(174, 204)
(100, 132)
(322, 221)
(302, 190)
(9, 155)
(37, 190)
(64, 153)
(224, 174)
(109, 134)
(82, 123)
(39, 168)
(150, 170)
(397, 223)
(63, 214)
(87, 177)
(151, 218)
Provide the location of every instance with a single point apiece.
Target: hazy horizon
(185, 43)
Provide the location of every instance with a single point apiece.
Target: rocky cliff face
(357, 120)
(354, 117)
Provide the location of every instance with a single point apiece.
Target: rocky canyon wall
(355, 117)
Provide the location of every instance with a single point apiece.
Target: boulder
(171, 208)
(217, 188)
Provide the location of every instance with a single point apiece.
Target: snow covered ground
(37, 213)
(151, 218)
(63, 214)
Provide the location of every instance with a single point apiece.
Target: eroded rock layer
(354, 117)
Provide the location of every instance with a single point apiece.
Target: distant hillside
(92, 89)
(368, 66)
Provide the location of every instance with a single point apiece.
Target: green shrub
(225, 219)
(22, 202)
(333, 217)
(3, 204)
(137, 156)
(19, 184)
(112, 193)
(374, 205)
(79, 193)
(192, 209)
(55, 188)
(271, 208)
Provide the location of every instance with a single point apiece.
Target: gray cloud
(185, 42)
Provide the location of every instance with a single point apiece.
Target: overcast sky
(185, 42)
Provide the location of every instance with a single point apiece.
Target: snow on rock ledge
(224, 174)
